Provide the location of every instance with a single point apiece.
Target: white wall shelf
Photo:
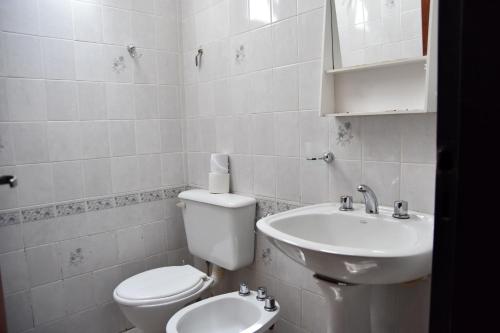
(382, 64)
(402, 86)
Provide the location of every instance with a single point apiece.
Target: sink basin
(352, 246)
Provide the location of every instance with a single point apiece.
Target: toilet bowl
(220, 230)
(227, 313)
(149, 299)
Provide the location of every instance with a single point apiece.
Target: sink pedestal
(348, 307)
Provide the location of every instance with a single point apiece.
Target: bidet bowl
(227, 313)
(353, 246)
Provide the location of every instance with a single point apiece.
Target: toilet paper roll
(218, 182)
(219, 163)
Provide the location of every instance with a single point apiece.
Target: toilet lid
(160, 283)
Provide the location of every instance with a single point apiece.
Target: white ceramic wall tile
(290, 302)
(19, 312)
(116, 26)
(285, 89)
(309, 35)
(19, 16)
(309, 85)
(143, 30)
(314, 181)
(68, 180)
(7, 150)
(168, 102)
(44, 264)
(30, 142)
(88, 22)
(59, 58)
(146, 101)
(95, 141)
(35, 184)
(346, 140)
(148, 139)
(56, 19)
(282, 9)
(120, 101)
(130, 244)
(345, 176)
(14, 271)
(263, 134)
(89, 61)
(418, 186)
(26, 99)
(8, 196)
(124, 174)
(91, 101)
(61, 100)
(286, 127)
(384, 179)
(171, 136)
(154, 238)
(418, 139)
(48, 302)
(97, 177)
(104, 281)
(241, 173)
(23, 56)
(168, 68)
(78, 293)
(382, 139)
(225, 133)
(64, 139)
(172, 169)
(118, 65)
(149, 171)
(264, 182)
(305, 5)
(11, 238)
(288, 179)
(285, 41)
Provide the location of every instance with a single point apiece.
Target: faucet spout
(371, 202)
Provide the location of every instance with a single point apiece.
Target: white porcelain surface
(219, 227)
(353, 246)
(225, 313)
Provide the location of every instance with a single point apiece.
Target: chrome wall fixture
(8, 180)
(197, 58)
(132, 50)
(326, 157)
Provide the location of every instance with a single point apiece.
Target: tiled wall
(256, 97)
(95, 138)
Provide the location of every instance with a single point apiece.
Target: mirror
(372, 31)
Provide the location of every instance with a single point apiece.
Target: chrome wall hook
(326, 157)
(132, 50)
(197, 58)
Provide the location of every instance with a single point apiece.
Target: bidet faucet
(371, 202)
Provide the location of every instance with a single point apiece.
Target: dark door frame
(466, 258)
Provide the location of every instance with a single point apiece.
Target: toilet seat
(161, 286)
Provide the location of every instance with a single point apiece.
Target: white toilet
(219, 229)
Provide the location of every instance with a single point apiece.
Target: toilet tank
(219, 227)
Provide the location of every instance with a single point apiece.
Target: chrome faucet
(371, 202)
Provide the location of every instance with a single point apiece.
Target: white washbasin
(227, 313)
(353, 246)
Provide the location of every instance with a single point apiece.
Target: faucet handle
(261, 293)
(401, 210)
(270, 304)
(345, 203)
(244, 290)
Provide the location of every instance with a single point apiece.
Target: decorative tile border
(71, 208)
(38, 213)
(33, 214)
(127, 200)
(10, 218)
(265, 206)
(152, 196)
(100, 204)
